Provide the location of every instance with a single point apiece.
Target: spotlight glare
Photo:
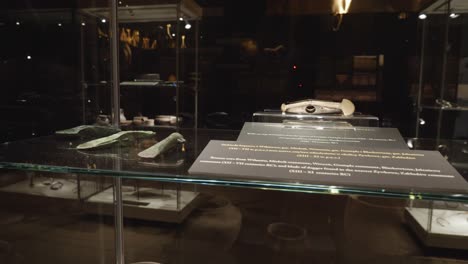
(83, 24)
(18, 23)
(187, 25)
(103, 20)
(454, 15)
(410, 144)
(422, 16)
(173, 34)
(181, 19)
(28, 57)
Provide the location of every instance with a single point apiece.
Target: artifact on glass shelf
(145, 44)
(127, 53)
(169, 37)
(154, 45)
(127, 39)
(123, 35)
(149, 122)
(168, 119)
(129, 32)
(53, 184)
(136, 38)
(123, 118)
(444, 103)
(162, 146)
(276, 50)
(102, 120)
(89, 131)
(183, 45)
(139, 120)
(249, 47)
(48, 182)
(56, 186)
(311, 106)
(120, 137)
(122, 115)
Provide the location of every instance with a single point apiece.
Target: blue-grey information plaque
(322, 135)
(329, 165)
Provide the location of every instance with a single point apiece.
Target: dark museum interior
(234, 131)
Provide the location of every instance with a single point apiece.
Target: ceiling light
(173, 34)
(28, 57)
(59, 24)
(187, 25)
(103, 20)
(181, 18)
(422, 16)
(341, 6)
(18, 23)
(83, 24)
(454, 15)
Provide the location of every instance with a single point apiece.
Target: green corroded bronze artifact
(162, 146)
(121, 137)
(89, 131)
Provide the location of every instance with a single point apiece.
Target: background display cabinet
(441, 97)
(441, 117)
(158, 61)
(69, 187)
(149, 201)
(439, 224)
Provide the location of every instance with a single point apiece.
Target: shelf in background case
(171, 206)
(435, 107)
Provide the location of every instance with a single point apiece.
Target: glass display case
(441, 120)
(70, 187)
(439, 224)
(159, 63)
(229, 214)
(441, 96)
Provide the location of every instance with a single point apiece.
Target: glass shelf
(455, 108)
(276, 116)
(58, 154)
(159, 84)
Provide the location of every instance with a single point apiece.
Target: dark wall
(239, 81)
